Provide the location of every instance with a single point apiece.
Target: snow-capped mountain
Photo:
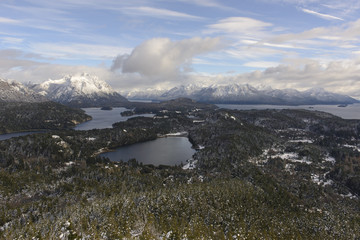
(12, 91)
(246, 94)
(83, 90)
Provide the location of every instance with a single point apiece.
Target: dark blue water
(169, 151)
(104, 118)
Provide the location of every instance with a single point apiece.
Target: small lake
(168, 151)
(105, 118)
(352, 111)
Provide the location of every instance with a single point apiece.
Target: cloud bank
(161, 57)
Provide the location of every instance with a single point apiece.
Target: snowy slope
(12, 91)
(82, 90)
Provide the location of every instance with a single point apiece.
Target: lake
(101, 119)
(352, 111)
(105, 118)
(169, 151)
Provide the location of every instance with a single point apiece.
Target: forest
(259, 174)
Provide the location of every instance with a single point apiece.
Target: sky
(158, 44)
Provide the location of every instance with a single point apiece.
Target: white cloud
(240, 25)
(163, 57)
(76, 50)
(22, 67)
(11, 40)
(208, 3)
(158, 13)
(205, 3)
(290, 46)
(337, 76)
(321, 15)
(248, 38)
(261, 64)
(9, 20)
(324, 40)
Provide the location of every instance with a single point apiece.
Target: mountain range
(244, 94)
(12, 91)
(86, 90)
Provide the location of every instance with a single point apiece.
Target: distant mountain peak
(80, 84)
(82, 89)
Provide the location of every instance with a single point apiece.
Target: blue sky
(142, 44)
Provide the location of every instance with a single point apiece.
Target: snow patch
(177, 134)
(198, 121)
(200, 147)
(349, 195)
(330, 159)
(191, 164)
(301, 141)
(352, 146)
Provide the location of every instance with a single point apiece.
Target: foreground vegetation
(116, 201)
(258, 175)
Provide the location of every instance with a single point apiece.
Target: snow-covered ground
(320, 179)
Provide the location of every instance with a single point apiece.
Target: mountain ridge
(245, 94)
(13, 91)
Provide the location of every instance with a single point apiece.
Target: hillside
(15, 117)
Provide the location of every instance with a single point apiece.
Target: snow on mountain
(322, 95)
(83, 90)
(12, 91)
(246, 94)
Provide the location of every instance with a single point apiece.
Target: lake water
(105, 118)
(101, 119)
(352, 111)
(169, 151)
(18, 134)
